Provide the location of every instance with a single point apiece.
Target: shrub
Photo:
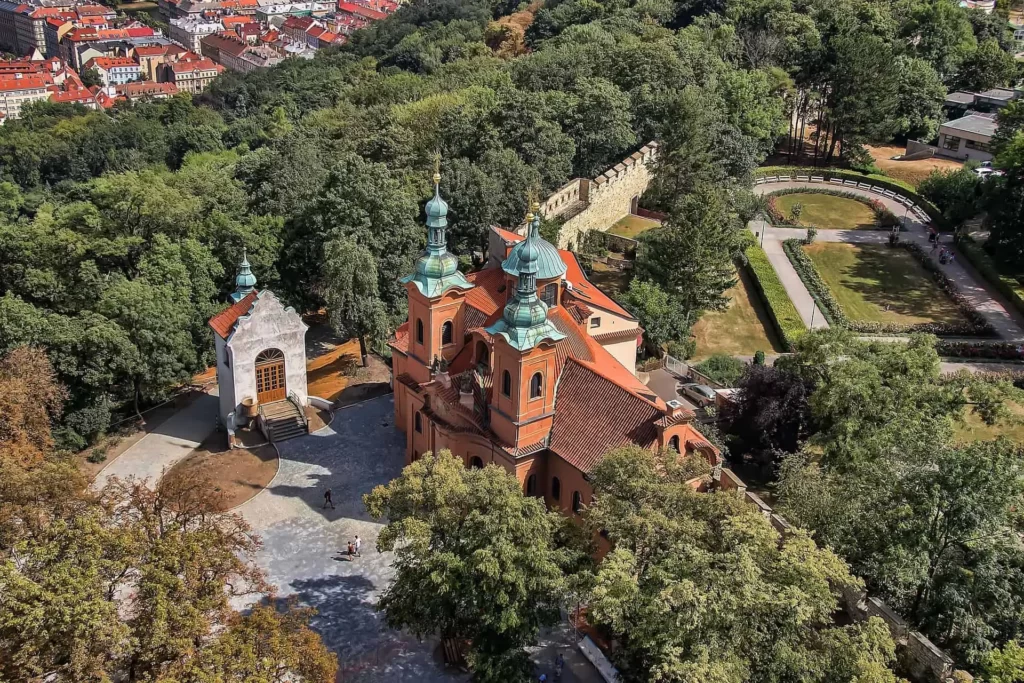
(759, 357)
(812, 232)
(787, 321)
(682, 349)
(975, 325)
(983, 263)
(979, 349)
(722, 368)
(98, 455)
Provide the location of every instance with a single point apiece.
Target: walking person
(351, 551)
(327, 499)
(358, 544)
(559, 663)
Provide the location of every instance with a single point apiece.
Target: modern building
(508, 365)
(969, 137)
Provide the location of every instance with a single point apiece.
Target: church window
(476, 463)
(556, 488)
(419, 422)
(506, 383)
(577, 501)
(447, 334)
(531, 485)
(536, 385)
(549, 294)
(674, 443)
(419, 331)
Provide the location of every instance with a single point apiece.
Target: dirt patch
(912, 172)
(237, 474)
(337, 375)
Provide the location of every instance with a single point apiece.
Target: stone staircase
(284, 420)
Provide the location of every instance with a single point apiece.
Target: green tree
(722, 368)
(920, 96)
(91, 77)
(350, 289)
(988, 66)
(1005, 665)
(661, 316)
(474, 559)
(690, 257)
(692, 589)
(955, 192)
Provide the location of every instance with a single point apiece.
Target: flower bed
(785, 318)
(884, 218)
(975, 325)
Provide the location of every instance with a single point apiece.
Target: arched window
(549, 294)
(556, 488)
(674, 443)
(577, 501)
(536, 385)
(476, 463)
(418, 422)
(419, 331)
(506, 383)
(531, 485)
(447, 333)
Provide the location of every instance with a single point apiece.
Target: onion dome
(437, 270)
(245, 281)
(524, 322)
(549, 262)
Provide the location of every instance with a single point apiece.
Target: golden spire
(437, 168)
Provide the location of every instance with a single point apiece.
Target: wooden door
(270, 380)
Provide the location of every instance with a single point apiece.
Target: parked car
(701, 394)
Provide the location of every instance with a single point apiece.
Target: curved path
(984, 299)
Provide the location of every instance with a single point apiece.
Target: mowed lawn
(877, 283)
(975, 428)
(630, 226)
(740, 330)
(827, 211)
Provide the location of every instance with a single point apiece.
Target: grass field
(828, 211)
(609, 280)
(631, 226)
(879, 284)
(740, 330)
(976, 430)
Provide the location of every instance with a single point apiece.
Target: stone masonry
(597, 203)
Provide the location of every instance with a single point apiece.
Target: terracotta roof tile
(487, 296)
(401, 340)
(618, 336)
(593, 414)
(224, 322)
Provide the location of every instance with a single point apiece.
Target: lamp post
(814, 309)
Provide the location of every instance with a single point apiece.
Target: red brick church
(502, 366)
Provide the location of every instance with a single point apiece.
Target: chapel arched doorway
(270, 377)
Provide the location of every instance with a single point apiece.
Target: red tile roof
(184, 66)
(360, 11)
(224, 322)
(11, 82)
(143, 88)
(110, 62)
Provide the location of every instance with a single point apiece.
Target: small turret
(437, 270)
(245, 281)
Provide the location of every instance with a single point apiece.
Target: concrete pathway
(981, 296)
(159, 450)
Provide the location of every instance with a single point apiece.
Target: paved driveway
(360, 450)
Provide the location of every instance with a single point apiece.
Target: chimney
(674, 408)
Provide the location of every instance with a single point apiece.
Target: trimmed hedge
(884, 218)
(972, 349)
(844, 174)
(982, 262)
(787, 321)
(975, 325)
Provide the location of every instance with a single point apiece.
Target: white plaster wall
(624, 352)
(269, 325)
(225, 380)
(609, 322)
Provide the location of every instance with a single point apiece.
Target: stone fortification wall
(596, 204)
(918, 656)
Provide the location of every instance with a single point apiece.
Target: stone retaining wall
(597, 203)
(918, 656)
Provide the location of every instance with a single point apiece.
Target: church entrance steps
(283, 420)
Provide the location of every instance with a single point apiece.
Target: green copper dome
(437, 270)
(524, 322)
(549, 261)
(245, 281)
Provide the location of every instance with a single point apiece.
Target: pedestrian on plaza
(327, 499)
(559, 663)
(351, 550)
(359, 545)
